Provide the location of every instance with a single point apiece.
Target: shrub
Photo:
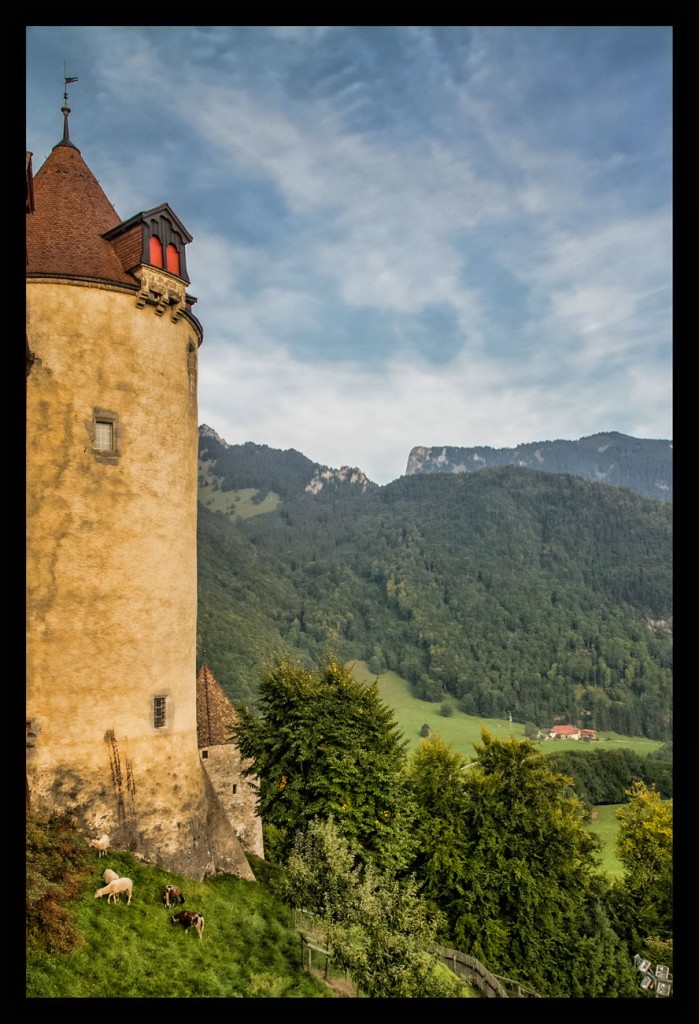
(56, 871)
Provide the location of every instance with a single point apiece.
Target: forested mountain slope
(543, 595)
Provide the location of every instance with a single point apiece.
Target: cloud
(343, 414)
(402, 235)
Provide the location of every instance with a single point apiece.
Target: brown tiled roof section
(215, 713)
(71, 212)
(128, 247)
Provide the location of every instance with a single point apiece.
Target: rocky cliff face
(206, 431)
(641, 465)
(345, 475)
(266, 469)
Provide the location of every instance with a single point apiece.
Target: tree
(326, 745)
(519, 885)
(604, 776)
(321, 874)
(377, 927)
(384, 946)
(643, 900)
(436, 781)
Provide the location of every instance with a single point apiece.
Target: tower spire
(65, 109)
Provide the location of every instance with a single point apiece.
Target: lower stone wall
(166, 824)
(236, 794)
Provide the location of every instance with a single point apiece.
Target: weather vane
(66, 82)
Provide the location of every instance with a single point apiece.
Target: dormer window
(164, 241)
(155, 238)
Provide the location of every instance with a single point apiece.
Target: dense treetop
(326, 745)
(504, 853)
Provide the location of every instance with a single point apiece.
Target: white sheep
(109, 876)
(101, 845)
(114, 888)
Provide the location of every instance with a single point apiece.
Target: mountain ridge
(642, 465)
(282, 470)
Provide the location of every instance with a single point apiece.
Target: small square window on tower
(104, 436)
(159, 708)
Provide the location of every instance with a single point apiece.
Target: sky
(402, 236)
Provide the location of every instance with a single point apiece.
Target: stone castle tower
(111, 470)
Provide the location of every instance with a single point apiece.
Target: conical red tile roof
(71, 213)
(215, 713)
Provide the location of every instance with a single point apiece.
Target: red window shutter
(156, 251)
(173, 260)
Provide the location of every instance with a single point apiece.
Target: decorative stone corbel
(162, 291)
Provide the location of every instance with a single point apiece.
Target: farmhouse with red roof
(564, 732)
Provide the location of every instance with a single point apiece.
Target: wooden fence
(489, 985)
(471, 970)
(466, 967)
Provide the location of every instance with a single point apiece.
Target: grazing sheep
(190, 919)
(172, 894)
(113, 890)
(101, 845)
(109, 876)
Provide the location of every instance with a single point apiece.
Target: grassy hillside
(461, 731)
(249, 947)
(239, 504)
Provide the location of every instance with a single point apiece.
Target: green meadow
(606, 827)
(461, 731)
(240, 504)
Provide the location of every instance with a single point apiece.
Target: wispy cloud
(402, 235)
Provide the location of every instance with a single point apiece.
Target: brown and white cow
(190, 919)
(172, 894)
